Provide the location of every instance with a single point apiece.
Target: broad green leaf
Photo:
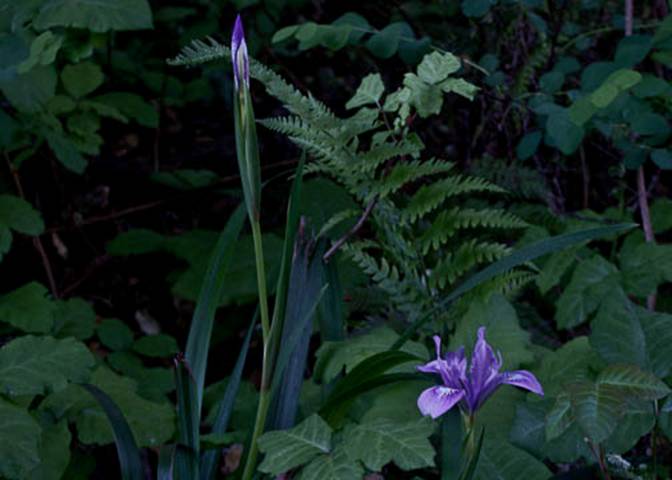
(662, 157)
(185, 179)
(132, 106)
(385, 43)
(32, 365)
(66, 152)
(563, 132)
(30, 92)
(333, 357)
(43, 50)
(74, 318)
(336, 465)
(379, 442)
(459, 86)
(623, 332)
(528, 145)
(436, 66)
(28, 309)
(570, 363)
(476, 8)
(19, 448)
(427, 99)
(368, 92)
(288, 449)
(592, 280)
(637, 383)
(160, 345)
(95, 15)
(633, 49)
(650, 124)
(54, 452)
(115, 334)
(660, 215)
(554, 268)
(528, 429)
(559, 418)
(503, 331)
(152, 423)
(499, 460)
(645, 266)
(20, 216)
(636, 423)
(81, 79)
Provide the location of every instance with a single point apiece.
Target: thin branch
(355, 228)
(37, 242)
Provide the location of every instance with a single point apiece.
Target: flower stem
(259, 424)
(264, 393)
(261, 280)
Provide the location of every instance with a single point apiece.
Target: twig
(355, 228)
(37, 242)
(642, 197)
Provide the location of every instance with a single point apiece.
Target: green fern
(424, 242)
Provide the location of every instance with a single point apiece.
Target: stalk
(264, 392)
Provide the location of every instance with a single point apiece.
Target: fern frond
(198, 52)
(467, 256)
(371, 160)
(407, 172)
(448, 222)
(429, 197)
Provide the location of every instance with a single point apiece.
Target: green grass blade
(198, 342)
(188, 422)
(211, 458)
(282, 286)
(166, 463)
(332, 309)
(519, 257)
(127, 449)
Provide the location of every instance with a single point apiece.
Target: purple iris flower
(239, 57)
(469, 385)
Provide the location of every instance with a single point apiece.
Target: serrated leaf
(592, 280)
(499, 460)
(623, 332)
(66, 152)
(132, 106)
(32, 365)
(563, 132)
(436, 66)
(504, 332)
(333, 466)
(385, 43)
(74, 318)
(81, 79)
(95, 15)
(20, 216)
(347, 354)
(54, 452)
(528, 145)
(43, 50)
(28, 309)
(566, 365)
(19, 448)
(379, 442)
(288, 449)
(369, 91)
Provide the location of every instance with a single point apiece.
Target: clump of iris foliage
(384, 250)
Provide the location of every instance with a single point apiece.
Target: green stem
(264, 393)
(259, 424)
(261, 280)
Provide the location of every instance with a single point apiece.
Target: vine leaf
(288, 449)
(382, 441)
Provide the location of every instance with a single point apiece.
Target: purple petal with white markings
(436, 401)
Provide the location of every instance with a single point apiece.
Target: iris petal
(436, 401)
(523, 379)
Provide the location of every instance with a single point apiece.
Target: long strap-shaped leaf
(198, 342)
(211, 458)
(519, 257)
(304, 294)
(164, 469)
(188, 423)
(127, 449)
